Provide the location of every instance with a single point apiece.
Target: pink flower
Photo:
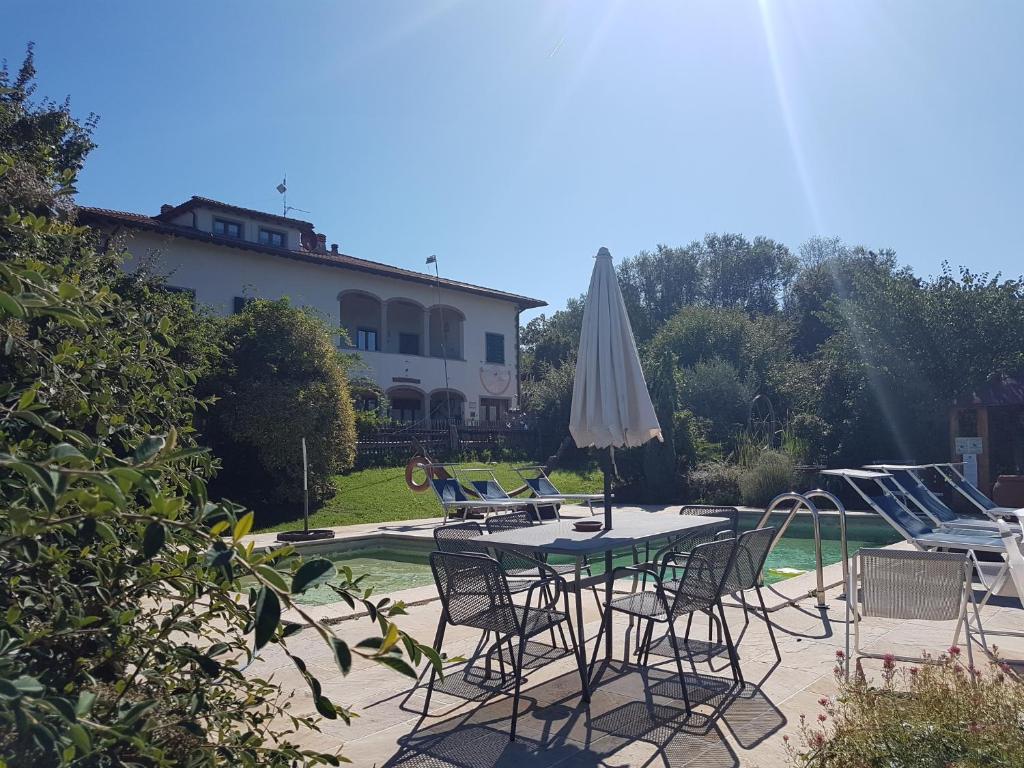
(840, 655)
(817, 740)
(823, 701)
(954, 650)
(889, 661)
(822, 718)
(913, 670)
(785, 738)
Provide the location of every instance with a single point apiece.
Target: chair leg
(679, 661)
(501, 656)
(767, 621)
(517, 671)
(647, 643)
(733, 656)
(686, 634)
(597, 643)
(579, 652)
(438, 639)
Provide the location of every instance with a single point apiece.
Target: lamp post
(432, 259)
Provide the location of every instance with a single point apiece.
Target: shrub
(280, 380)
(715, 483)
(933, 715)
(714, 390)
(548, 400)
(122, 633)
(772, 473)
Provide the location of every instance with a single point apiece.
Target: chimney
(321, 242)
(334, 248)
(165, 208)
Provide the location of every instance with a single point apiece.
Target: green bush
(715, 483)
(280, 379)
(772, 473)
(938, 714)
(122, 633)
(715, 391)
(547, 398)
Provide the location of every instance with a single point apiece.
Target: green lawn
(381, 495)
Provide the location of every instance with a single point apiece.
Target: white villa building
(406, 326)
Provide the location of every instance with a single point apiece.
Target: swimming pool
(404, 564)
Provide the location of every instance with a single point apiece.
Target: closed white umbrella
(611, 407)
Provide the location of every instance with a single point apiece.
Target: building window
(272, 237)
(240, 303)
(495, 348)
(226, 228)
(493, 409)
(408, 343)
(366, 339)
(405, 409)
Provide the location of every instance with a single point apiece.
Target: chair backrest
(958, 481)
(510, 521)
(1014, 554)
(473, 591)
(448, 489)
(459, 537)
(542, 486)
(908, 584)
(752, 548)
(703, 580)
(512, 560)
(490, 490)
(685, 542)
(898, 515)
(710, 510)
(919, 492)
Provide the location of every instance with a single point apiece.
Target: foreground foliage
(932, 716)
(129, 604)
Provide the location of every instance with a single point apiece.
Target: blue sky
(514, 138)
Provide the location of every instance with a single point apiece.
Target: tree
(738, 273)
(657, 285)
(660, 479)
(280, 379)
(122, 636)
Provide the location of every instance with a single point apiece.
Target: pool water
(406, 565)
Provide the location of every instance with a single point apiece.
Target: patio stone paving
(636, 715)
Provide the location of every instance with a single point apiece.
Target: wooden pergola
(994, 413)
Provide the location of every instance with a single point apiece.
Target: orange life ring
(417, 462)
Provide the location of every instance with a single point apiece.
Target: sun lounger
(960, 484)
(905, 481)
(541, 486)
(453, 496)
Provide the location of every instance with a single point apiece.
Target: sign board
(971, 468)
(967, 446)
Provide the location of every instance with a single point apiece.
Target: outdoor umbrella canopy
(611, 407)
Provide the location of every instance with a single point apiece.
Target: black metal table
(630, 529)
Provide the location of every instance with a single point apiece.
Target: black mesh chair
(474, 592)
(752, 550)
(459, 537)
(681, 545)
(699, 589)
(522, 570)
(513, 521)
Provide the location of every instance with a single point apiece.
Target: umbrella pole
(609, 555)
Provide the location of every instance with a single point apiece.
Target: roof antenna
(282, 188)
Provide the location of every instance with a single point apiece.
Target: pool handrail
(806, 501)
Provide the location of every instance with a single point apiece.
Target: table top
(561, 538)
